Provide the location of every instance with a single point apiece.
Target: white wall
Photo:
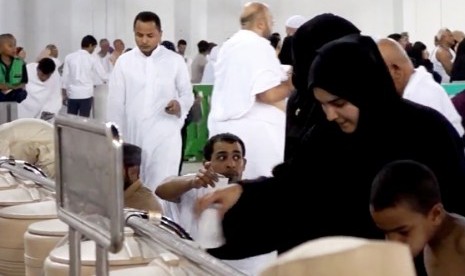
(36, 23)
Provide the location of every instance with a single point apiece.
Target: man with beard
(136, 195)
(224, 156)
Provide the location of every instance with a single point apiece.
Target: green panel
(197, 132)
(453, 89)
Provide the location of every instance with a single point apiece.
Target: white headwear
(295, 21)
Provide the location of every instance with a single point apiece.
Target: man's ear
(436, 214)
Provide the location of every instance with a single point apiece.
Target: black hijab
(307, 40)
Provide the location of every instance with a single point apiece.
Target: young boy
(13, 72)
(406, 204)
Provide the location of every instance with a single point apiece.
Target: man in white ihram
(249, 92)
(44, 91)
(150, 95)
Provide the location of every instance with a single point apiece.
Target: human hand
(205, 177)
(173, 108)
(226, 198)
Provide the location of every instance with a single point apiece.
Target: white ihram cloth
(41, 96)
(140, 87)
(423, 89)
(246, 66)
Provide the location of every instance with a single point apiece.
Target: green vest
(15, 75)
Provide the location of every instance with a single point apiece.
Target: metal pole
(101, 264)
(45, 182)
(74, 252)
(161, 236)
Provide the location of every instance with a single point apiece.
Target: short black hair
(148, 16)
(203, 46)
(395, 37)
(275, 38)
(222, 137)
(46, 66)
(405, 181)
(87, 41)
(182, 42)
(169, 45)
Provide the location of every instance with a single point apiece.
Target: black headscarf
(341, 69)
(307, 40)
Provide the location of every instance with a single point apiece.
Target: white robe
(41, 96)
(140, 87)
(438, 65)
(246, 66)
(423, 89)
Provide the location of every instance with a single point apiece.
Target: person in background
(458, 68)
(119, 50)
(80, 72)
(419, 55)
(13, 72)
(136, 195)
(292, 24)
(21, 53)
(168, 45)
(275, 40)
(406, 205)
(199, 62)
(44, 91)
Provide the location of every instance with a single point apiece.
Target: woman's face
(339, 110)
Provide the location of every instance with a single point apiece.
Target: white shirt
(79, 71)
(423, 89)
(41, 96)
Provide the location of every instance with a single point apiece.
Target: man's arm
(446, 60)
(172, 188)
(99, 70)
(277, 93)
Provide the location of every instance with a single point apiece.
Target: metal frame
(106, 241)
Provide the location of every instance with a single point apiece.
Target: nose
(331, 113)
(144, 39)
(395, 237)
(230, 163)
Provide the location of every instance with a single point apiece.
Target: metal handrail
(26, 170)
(207, 262)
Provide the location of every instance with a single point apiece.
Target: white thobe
(438, 65)
(41, 96)
(140, 88)
(246, 66)
(423, 89)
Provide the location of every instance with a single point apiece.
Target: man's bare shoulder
(459, 225)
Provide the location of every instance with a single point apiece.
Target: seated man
(223, 154)
(406, 205)
(136, 195)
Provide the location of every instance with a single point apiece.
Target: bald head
(399, 64)
(255, 16)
